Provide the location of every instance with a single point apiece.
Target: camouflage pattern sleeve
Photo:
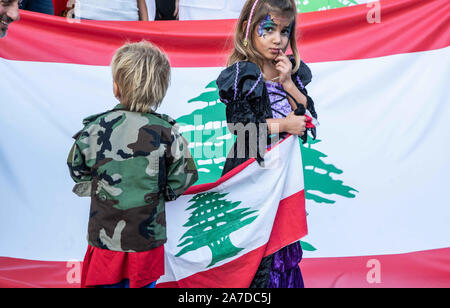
(181, 169)
(78, 169)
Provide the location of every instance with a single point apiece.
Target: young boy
(130, 160)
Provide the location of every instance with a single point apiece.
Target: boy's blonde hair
(142, 74)
(241, 52)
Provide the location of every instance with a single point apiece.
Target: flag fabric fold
(224, 229)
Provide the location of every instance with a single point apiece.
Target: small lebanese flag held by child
(219, 232)
(311, 122)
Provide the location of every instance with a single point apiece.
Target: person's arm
(292, 89)
(284, 66)
(176, 13)
(79, 171)
(181, 169)
(143, 12)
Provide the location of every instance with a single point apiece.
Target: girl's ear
(244, 26)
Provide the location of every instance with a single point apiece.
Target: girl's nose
(277, 38)
(13, 11)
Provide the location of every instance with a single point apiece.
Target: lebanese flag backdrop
(381, 91)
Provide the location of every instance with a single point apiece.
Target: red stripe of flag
(340, 34)
(429, 269)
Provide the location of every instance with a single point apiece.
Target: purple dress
(285, 270)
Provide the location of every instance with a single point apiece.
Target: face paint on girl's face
(272, 35)
(266, 26)
(288, 30)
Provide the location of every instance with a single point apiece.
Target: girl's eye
(265, 29)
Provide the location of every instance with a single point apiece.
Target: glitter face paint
(289, 29)
(266, 25)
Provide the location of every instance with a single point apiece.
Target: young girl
(265, 87)
(130, 160)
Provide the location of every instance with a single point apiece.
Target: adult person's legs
(166, 10)
(40, 6)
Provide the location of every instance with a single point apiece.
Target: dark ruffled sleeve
(241, 89)
(301, 79)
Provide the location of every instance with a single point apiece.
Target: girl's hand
(284, 66)
(295, 125)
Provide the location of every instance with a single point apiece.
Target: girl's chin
(269, 56)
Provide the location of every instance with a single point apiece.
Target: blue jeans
(125, 284)
(40, 6)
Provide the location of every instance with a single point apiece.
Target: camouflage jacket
(130, 163)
